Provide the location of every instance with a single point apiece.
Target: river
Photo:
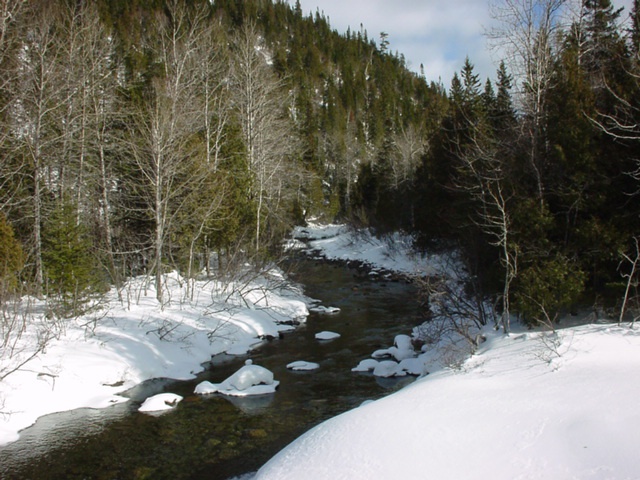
(218, 437)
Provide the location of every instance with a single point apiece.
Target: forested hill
(145, 136)
(344, 94)
(141, 136)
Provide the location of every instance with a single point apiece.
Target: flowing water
(218, 437)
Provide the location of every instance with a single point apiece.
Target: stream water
(218, 437)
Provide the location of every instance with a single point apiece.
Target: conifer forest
(146, 136)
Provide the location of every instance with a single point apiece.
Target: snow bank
(103, 354)
(528, 405)
(394, 252)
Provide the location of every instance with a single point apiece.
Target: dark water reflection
(217, 437)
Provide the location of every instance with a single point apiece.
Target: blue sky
(436, 33)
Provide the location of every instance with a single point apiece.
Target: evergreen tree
(603, 44)
(470, 85)
(71, 271)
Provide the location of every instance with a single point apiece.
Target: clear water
(217, 437)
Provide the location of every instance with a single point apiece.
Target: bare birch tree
(40, 97)
(525, 36)
(483, 174)
(163, 140)
(94, 108)
(409, 145)
(268, 133)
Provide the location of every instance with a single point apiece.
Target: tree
(11, 259)
(39, 99)
(634, 33)
(603, 47)
(410, 145)
(163, 141)
(69, 262)
(483, 174)
(267, 131)
(526, 33)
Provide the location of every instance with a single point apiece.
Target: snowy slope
(527, 406)
(394, 252)
(531, 405)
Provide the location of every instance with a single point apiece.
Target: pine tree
(604, 48)
(71, 271)
(470, 85)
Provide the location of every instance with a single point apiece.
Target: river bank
(532, 404)
(131, 338)
(217, 437)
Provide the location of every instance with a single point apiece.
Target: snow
(531, 405)
(394, 252)
(365, 365)
(97, 357)
(388, 368)
(327, 335)
(160, 402)
(248, 380)
(401, 350)
(325, 310)
(301, 365)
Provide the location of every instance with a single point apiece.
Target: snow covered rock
(413, 366)
(302, 365)
(160, 402)
(388, 368)
(205, 388)
(248, 380)
(327, 335)
(366, 365)
(402, 348)
(382, 353)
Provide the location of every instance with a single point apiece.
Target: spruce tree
(71, 270)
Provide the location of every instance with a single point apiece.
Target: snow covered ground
(394, 252)
(530, 405)
(526, 406)
(107, 352)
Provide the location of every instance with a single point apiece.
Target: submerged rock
(327, 335)
(302, 365)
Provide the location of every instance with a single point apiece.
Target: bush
(547, 286)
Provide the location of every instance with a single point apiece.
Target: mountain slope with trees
(150, 134)
(145, 136)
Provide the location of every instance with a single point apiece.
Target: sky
(436, 33)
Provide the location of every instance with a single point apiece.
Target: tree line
(140, 136)
(535, 174)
